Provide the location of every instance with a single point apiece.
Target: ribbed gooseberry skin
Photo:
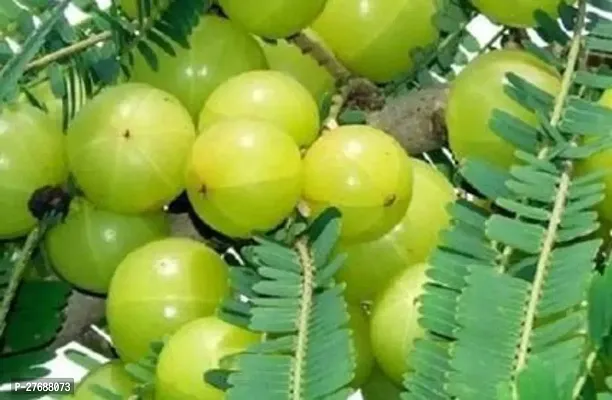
(370, 266)
(219, 49)
(87, 247)
(375, 38)
(194, 349)
(127, 148)
(244, 176)
(111, 376)
(288, 58)
(31, 157)
(158, 288)
(364, 173)
(273, 19)
(518, 13)
(394, 323)
(270, 96)
(479, 89)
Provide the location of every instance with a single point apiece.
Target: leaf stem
(308, 270)
(69, 50)
(20, 266)
(562, 193)
(582, 380)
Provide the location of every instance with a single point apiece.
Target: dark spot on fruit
(202, 190)
(390, 200)
(127, 134)
(48, 201)
(166, 98)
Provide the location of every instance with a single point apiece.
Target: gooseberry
(374, 38)
(285, 57)
(364, 173)
(270, 96)
(159, 287)
(479, 89)
(194, 349)
(219, 49)
(360, 328)
(380, 387)
(31, 157)
(244, 176)
(111, 376)
(130, 7)
(273, 19)
(127, 148)
(394, 324)
(370, 266)
(518, 14)
(87, 247)
(601, 162)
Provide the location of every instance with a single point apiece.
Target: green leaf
(161, 42)
(538, 382)
(293, 299)
(486, 178)
(56, 77)
(12, 71)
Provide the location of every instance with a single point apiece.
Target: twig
(338, 101)
(326, 59)
(69, 50)
(20, 266)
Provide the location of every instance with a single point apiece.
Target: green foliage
(142, 372)
(292, 298)
(455, 40)
(493, 334)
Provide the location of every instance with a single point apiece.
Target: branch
(69, 50)
(325, 58)
(17, 273)
(416, 120)
(82, 311)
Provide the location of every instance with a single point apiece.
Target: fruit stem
(337, 103)
(325, 58)
(20, 265)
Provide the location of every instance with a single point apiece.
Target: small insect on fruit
(158, 288)
(364, 173)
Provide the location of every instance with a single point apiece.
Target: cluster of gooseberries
(234, 121)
